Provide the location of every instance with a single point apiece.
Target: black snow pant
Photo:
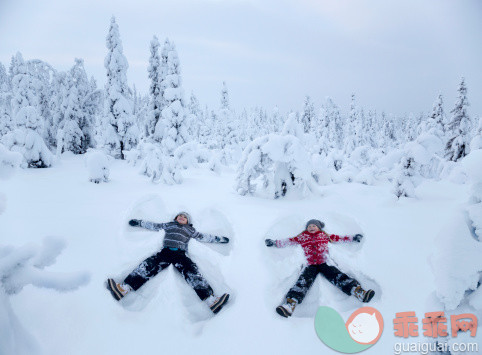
(158, 262)
(331, 273)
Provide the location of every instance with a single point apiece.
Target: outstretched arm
(146, 224)
(336, 238)
(280, 243)
(209, 238)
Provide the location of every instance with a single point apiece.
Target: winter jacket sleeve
(205, 237)
(281, 243)
(153, 226)
(336, 238)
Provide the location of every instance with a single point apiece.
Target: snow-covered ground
(165, 316)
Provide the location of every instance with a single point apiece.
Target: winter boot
(362, 295)
(216, 303)
(118, 290)
(287, 309)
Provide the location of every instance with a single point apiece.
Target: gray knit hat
(188, 216)
(316, 222)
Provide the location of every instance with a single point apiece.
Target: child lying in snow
(178, 234)
(314, 242)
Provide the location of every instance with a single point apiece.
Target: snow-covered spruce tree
(174, 129)
(58, 106)
(155, 92)
(120, 131)
(435, 123)
(279, 164)
(22, 266)
(24, 86)
(228, 129)
(6, 121)
(195, 117)
(335, 124)
(459, 127)
(70, 136)
(308, 114)
(352, 128)
(403, 185)
(89, 100)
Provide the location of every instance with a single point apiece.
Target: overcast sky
(395, 56)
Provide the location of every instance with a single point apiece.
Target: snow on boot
(117, 290)
(287, 309)
(216, 303)
(362, 295)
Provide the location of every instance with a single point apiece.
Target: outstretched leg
(148, 269)
(341, 280)
(305, 281)
(192, 275)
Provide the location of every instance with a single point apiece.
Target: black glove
(357, 238)
(222, 240)
(135, 222)
(269, 242)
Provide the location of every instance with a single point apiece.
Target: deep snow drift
(398, 258)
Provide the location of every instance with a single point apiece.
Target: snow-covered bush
(190, 154)
(26, 266)
(456, 262)
(98, 167)
(155, 164)
(279, 163)
(27, 141)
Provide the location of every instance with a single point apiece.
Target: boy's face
(181, 219)
(312, 228)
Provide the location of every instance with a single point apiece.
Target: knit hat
(188, 216)
(316, 222)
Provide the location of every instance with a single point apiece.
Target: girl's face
(312, 228)
(181, 219)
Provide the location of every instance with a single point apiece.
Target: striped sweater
(178, 235)
(315, 245)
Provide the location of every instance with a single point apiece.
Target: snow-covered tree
(155, 92)
(98, 167)
(195, 117)
(352, 128)
(279, 164)
(292, 127)
(26, 139)
(403, 184)
(24, 86)
(70, 136)
(436, 120)
(89, 103)
(123, 133)
(156, 164)
(173, 130)
(459, 127)
(308, 114)
(6, 121)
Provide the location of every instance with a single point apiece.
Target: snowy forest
(46, 114)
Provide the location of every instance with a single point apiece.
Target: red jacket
(315, 245)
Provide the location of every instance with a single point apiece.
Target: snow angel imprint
(314, 241)
(178, 234)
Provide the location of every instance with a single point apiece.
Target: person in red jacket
(314, 242)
